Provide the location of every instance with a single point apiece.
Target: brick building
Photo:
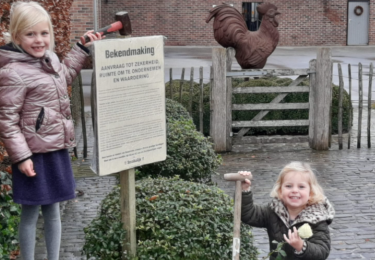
(301, 23)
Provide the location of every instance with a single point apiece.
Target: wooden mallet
(123, 26)
(238, 178)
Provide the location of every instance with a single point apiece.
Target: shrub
(195, 102)
(104, 235)
(189, 154)
(178, 220)
(175, 111)
(9, 218)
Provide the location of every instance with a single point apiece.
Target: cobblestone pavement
(348, 177)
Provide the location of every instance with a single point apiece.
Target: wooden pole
(210, 97)
(229, 60)
(219, 100)
(170, 83)
(350, 106)
(83, 119)
(369, 107)
(201, 100)
(191, 91)
(320, 100)
(341, 87)
(360, 105)
(237, 222)
(128, 211)
(181, 83)
(92, 97)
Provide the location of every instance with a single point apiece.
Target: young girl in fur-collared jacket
(35, 121)
(297, 200)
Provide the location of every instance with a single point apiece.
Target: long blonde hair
(24, 15)
(316, 191)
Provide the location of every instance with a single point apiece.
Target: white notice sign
(130, 127)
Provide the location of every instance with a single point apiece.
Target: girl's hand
(245, 185)
(93, 37)
(27, 168)
(294, 240)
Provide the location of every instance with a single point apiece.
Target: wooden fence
(320, 96)
(361, 108)
(220, 91)
(170, 92)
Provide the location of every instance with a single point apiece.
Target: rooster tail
(229, 25)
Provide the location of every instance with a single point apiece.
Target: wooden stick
(341, 87)
(360, 105)
(191, 91)
(237, 223)
(170, 83)
(229, 61)
(83, 119)
(210, 97)
(369, 107)
(350, 105)
(181, 83)
(201, 100)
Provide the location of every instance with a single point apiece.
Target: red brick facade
(82, 18)
(302, 22)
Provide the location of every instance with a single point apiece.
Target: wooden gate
(320, 96)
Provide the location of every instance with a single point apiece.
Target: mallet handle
(103, 31)
(237, 222)
(236, 177)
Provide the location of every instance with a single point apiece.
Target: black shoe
(79, 193)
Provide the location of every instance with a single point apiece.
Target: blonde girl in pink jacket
(35, 121)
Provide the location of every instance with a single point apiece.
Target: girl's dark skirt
(54, 180)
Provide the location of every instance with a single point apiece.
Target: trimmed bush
(177, 220)
(175, 111)
(104, 235)
(189, 154)
(195, 102)
(10, 213)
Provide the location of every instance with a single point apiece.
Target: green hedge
(262, 98)
(10, 213)
(189, 154)
(176, 220)
(104, 234)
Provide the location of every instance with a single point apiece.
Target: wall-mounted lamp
(228, 4)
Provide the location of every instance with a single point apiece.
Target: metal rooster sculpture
(252, 48)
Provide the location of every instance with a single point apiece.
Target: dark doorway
(251, 15)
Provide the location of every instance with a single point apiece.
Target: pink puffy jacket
(35, 114)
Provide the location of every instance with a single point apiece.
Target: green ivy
(176, 220)
(9, 218)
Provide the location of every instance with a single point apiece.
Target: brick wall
(302, 22)
(82, 18)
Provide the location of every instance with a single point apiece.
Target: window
(251, 15)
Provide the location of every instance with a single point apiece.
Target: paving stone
(347, 177)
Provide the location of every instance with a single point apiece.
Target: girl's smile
(35, 40)
(295, 191)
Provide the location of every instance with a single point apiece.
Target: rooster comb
(264, 7)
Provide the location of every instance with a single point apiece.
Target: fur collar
(312, 214)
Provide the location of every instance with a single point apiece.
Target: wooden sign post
(129, 115)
